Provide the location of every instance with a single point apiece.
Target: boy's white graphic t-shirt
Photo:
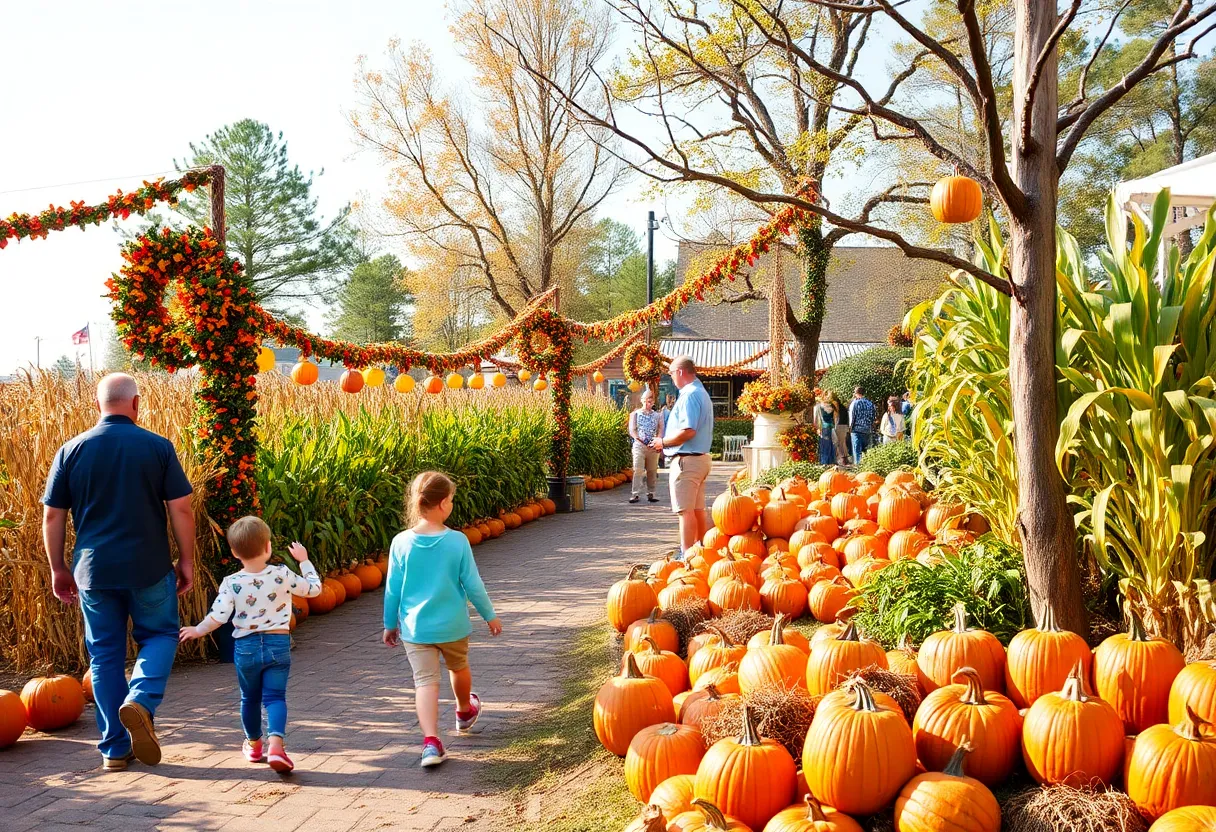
(261, 601)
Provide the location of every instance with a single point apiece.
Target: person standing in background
(841, 433)
(861, 423)
(644, 426)
(665, 413)
(825, 420)
(892, 425)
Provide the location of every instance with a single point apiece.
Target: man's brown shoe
(116, 763)
(138, 722)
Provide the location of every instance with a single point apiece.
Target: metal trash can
(576, 492)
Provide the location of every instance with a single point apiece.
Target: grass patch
(553, 766)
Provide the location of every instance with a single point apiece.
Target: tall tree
(273, 226)
(613, 278)
(373, 303)
(492, 177)
(1026, 154)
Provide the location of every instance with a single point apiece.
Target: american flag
(81, 336)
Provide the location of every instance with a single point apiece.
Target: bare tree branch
(890, 195)
(1044, 55)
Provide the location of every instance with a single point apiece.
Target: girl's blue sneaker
(432, 752)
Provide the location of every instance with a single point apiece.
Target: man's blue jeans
(153, 614)
(263, 662)
(860, 442)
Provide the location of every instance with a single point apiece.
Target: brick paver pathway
(352, 730)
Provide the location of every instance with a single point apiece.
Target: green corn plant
(1138, 444)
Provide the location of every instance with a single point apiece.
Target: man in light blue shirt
(686, 439)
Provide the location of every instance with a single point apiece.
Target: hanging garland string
(607, 358)
(739, 368)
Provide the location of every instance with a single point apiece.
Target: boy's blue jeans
(153, 615)
(263, 662)
(861, 442)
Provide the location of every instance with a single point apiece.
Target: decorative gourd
(12, 718)
(811, 816)
(369, 576)
(793, 637)
(706, 817)
(827, 598)
(1072, 737)
(951, 715)
(939, 514)
(52, 702)
(674, 796)
(657, 628)
(1187, 819)
(898, 510)
(780, 515)
(750, 778)
(785, 596)
(1039, 660)
(653, 660)
(902, 659)
(734, 513)
(323, 602)
(717, 652)
(351, 585)
(1134, 673)
(956, 199)
(842, 743)
(1173, 767)
(351, 381)
(628, 703)
(733, 594)
(1194, 686)
(947, 800)
(833, 661)
(703, 703)
(658, 752)
(943, 653)
(776, 663)
(630, 599)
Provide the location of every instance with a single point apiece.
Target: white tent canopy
(1192, 186)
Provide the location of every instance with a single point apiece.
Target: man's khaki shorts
(688, 476)
(424, 659)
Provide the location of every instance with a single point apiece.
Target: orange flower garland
(643, 363)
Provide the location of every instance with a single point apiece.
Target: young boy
(258, 600)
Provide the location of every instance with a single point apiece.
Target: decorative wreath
(643, 363)
(544, 343)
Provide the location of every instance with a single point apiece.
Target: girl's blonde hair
(429, 489)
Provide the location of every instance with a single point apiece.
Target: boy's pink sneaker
(465, 720)
(252, 749)
(280, 762)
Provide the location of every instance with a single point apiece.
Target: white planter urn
(765, 451)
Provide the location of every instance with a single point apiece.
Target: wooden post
(217, 203)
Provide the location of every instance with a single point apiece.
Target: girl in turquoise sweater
(431, 579)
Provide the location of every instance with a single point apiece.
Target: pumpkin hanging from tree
(750, 778)
(956, 199)
(1071, 737)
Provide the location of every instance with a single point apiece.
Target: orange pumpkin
(947, 800)
(730, 593)
(861, 737)
(351, 585)
(702, 704)
(734, 513)
(1194, 686)
(732, 566)
(793, 637)
(811, 816)
(864, 546)
(630, 599)
(859, 572)
(827, 598)
(12, 718)
(628, 703)
(658, 752)
(898, 510)
(783, 595)
(338, 589)
(653, 660)
(1039, 660)
(780, 515)
(52, 702)
(1072, 737)
(715, 539)
(724, 678)
(716, 650)
(951, 715)
(351, 381)
(956, 199)
(847, 506)
(834, 481)
(1134, 673)
(750, 778)
(1187, 819)
(845, 696)
(907, 544)
(815, 573)
(834, 660)
(773, 663)
(943, 653)
(706, 817)
(939, 514)
(657, 628)
(1173, 767)
(369, 577)
(673, 796)
(746, 545)
(323, 602)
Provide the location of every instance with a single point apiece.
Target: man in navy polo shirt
(116, 480)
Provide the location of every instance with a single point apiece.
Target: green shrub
(809, 471)
(730, 427)
(600, 443)
(881, 372)
(892, 456)
(987, 577)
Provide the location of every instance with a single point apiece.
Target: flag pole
(89, 329)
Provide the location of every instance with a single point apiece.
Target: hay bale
(781, 713)
(687, 619)
(1065, 809)
(741, 625)
(899, 686)
(882, 822)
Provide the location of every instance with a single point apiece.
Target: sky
(109, 94)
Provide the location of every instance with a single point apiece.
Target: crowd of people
(846, 433)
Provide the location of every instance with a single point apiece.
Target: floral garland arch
(218, 326)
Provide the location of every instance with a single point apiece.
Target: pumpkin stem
(714, 628)
(777, 634)
(814, 811)
(850, 633)
(631, 668)
(1048, 624)
(734, 490)
(960, 618)
(712, 690)
(652, 644)
(652, 819)
(1191, 728)
(954, 768)
(1135, 629)
(714, 819)
(974, 695)
(865, 697)
(1074, 686)
(635, 568)
(655, 615)
(750, 735)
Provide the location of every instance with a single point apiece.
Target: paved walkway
(352, 730)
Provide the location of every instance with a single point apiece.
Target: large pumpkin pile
(482, 530)
(1130, 711)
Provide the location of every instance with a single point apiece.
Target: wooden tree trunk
(1044, 520)
(815, 254)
